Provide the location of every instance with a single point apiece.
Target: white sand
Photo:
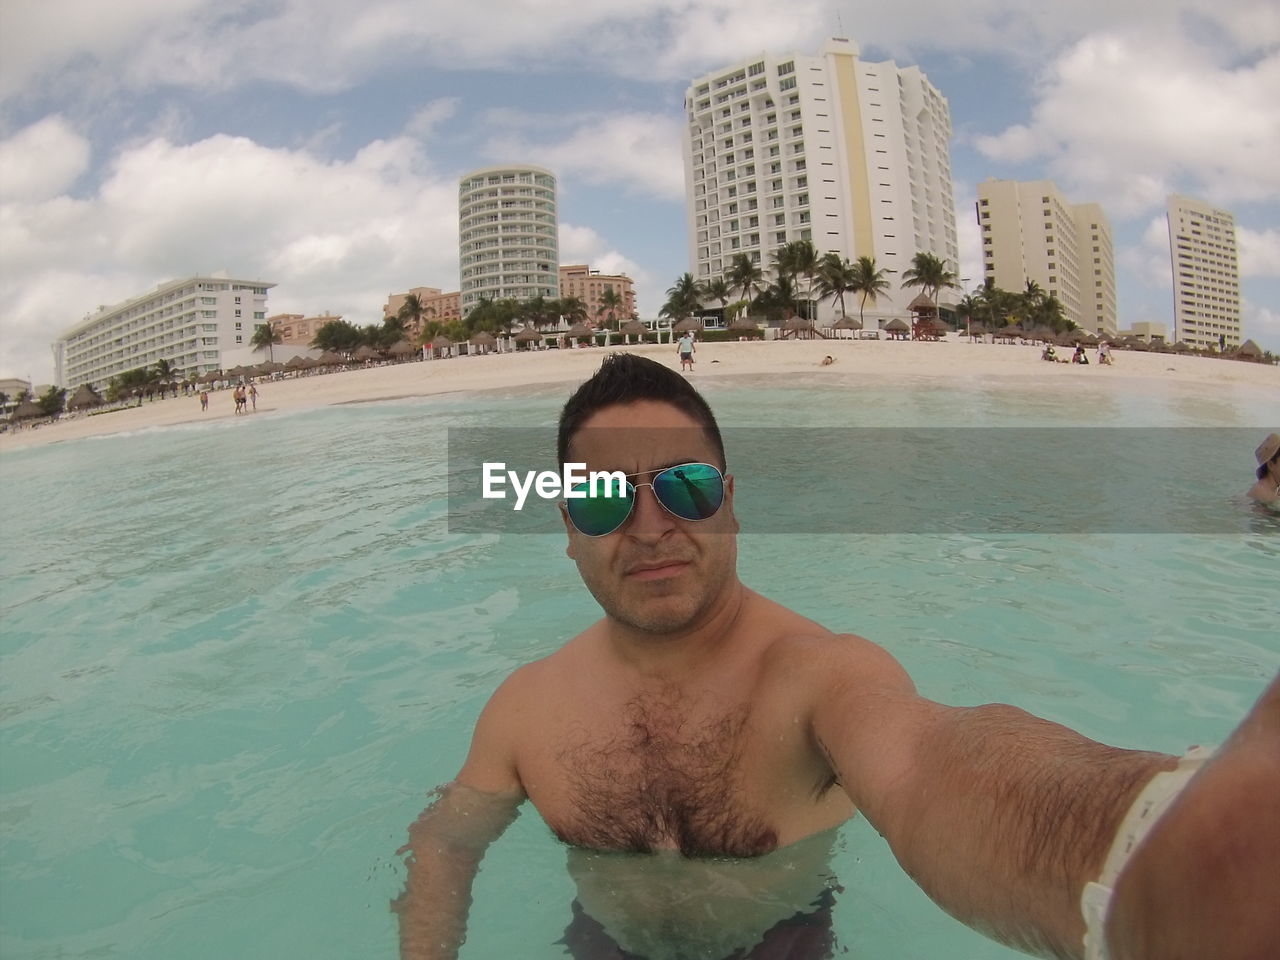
(882, 361)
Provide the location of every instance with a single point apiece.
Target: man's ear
(728, 500)
(568, 529)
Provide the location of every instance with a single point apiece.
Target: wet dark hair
(627, 378)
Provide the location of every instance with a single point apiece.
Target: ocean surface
(235, 657)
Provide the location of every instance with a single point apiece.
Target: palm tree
(165, 371)
(869, 282)
(967, 307)
(717, 289)
(745, 276)
(573, 309)
(797, 259)
(683, 299)
(611, 301)
(265, 335)
(931, 275)
(412, 311)
(835, 279)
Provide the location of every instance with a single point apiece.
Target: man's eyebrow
(667, 466)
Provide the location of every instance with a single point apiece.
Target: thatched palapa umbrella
(84, 398)
(331, 359)
(484, 340)
(26, 410)
(688, 325)
(1182, 347)
(897, 328)
(1249, 351)
(402, 348)
(296, 362)
(579, 331)
(213, 376)
(1010, 333)
(366, 352)
(634, 328)
(528, 335)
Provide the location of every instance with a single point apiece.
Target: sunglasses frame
(634, 489)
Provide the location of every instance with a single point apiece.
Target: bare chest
(656, 774)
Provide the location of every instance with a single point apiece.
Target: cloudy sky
(317, 143)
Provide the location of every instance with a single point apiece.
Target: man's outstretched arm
(1001, 817)
(447, 842)
(1206, 881)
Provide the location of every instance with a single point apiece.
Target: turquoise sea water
(236, 656)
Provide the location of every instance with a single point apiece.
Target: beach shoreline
(876, 361)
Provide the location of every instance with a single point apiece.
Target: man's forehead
(641, 436)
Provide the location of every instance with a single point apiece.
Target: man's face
(657, 573)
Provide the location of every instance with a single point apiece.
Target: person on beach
(1267, 489)
(828, 360)
(686, 349)
(698, 746)
(204, 400)
(1104, 353)
(1080, 356)
(253, 396)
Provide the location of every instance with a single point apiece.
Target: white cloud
(639, 151)
(424, 122)
(969, 238)
(580, 244)
(1127, 118)
(42, 161)
(1262, 325)
(332, 235)
(1259, 252)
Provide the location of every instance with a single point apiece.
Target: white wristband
(1152, 802)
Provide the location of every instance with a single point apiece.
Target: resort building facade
(189, 323)
(1206, 274)
(297, 330)
(850, 155)
(579, 280)
(508, 240)
(436, 305)
(1031, 233)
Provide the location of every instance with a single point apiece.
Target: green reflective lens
(690, 491)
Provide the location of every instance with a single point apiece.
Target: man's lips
(657, 570)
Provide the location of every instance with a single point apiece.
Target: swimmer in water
(696, 747)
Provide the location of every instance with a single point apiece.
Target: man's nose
(649, 520)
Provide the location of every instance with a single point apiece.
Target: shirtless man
(698, 719)
(1267, 489)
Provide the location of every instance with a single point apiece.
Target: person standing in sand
(204, 400)
(697, 747)
(253, 396)
(685, 347)
(1267, 489)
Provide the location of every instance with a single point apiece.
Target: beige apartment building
(297, 330)
(436, 304)
(1206, 277)
(579, 280)
(1031, 232)
(850, 155)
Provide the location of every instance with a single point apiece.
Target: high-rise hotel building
(186, 322)
(1030, 232)
(1206, 276)
(850, 155)
(508, 240)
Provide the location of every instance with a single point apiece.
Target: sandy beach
(883, 361)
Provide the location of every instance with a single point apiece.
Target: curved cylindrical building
(508, 244)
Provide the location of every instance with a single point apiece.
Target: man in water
(1267, 489)
(698, 745)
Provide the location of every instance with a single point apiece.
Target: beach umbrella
(977, 330)
(1249, 350)
(798, 323)
(212, 376)
(26, 410)
(921, 304)
(528, 335)
(483, 339)
(897, 325)
(1136, 344)
(634, 328)
(441, 342)
(1158, 346)
(1078, 334)
(296, 362)
(1182, 347)
(366, 352)
(402, 348)
(688, 325)
(579, 330)
(939, 325)
(84, 397)
(331, 359)
(847, 323)
(1009, 332)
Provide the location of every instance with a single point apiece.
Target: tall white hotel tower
(1206, 277)
(852, 156)
(508, 235)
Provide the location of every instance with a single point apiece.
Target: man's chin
(658, 616)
